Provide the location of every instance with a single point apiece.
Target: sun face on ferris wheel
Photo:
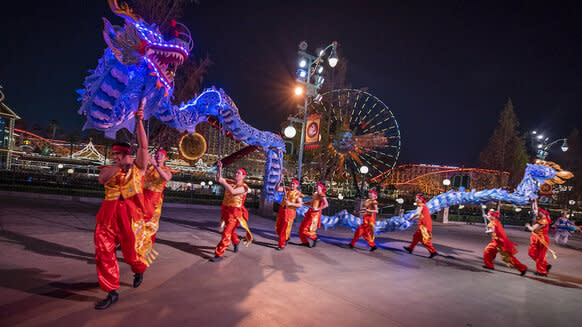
(363, 132)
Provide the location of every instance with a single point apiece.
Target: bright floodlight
(302, 63)
(302, 73)
(446, 182)
(534, 132)
(400, 200)
(364, 170)
(340, 196)
(541, 136)
(564, 146)
(298, 90)
(290, 132)
(60, 166)
(203, 183)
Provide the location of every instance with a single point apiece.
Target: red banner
(312, 130)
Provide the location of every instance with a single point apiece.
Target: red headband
(494, 213)
(418, 196)
(162, 151)
(294, 181)
(375, 193)
(322, 187)
(120, 148)
(243, 171)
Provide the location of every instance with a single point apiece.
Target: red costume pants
(285, 218)
(491, 251)
(537, 251)
(309, 226)
(417, 237)
(364, 230)
(113, 228)
(228, 235)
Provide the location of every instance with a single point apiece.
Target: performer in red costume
(312, 220)
(233, 211)
(540, 241)
(292, 199)
(366, 229)
(123, 204)
(500, 243)
(156, 177)
(424, 232)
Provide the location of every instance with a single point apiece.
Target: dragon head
(542, 172)
(138, 42)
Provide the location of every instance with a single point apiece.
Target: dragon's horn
(122, 10)
(564, 174)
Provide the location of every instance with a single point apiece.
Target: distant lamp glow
(571, 202)
(298, 90)
(290, 132)
(534, 132)
(321, 53)
(461, 206)
(564, 146)
(203, 183)
(400, 200)
(302, 73)
(517, 209)
(364, 170)
(333, 59)
(60, 166)
(302, 63)
(539, 146)
(320, 70)
(70, 171)
(446, 182)
(541, 136)
(484, 206)
(340, 196)
(210, 183)
(188, 185)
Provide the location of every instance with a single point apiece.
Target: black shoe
(137, 279)
(488, 267)
(111, 298)
(314, 242)
(523, 272)
(407, 249)
(236, 247)
(306, 244)
(350, 245)
(374, 248)
(216, 259)
(432, 255)
(540, 274)
(279, 248)
(548, 268)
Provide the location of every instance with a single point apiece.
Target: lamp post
(446, 183)
(310, 66)
(363, 170)
(400, 201)
(571, 203)
(543, 146)
(445, 212)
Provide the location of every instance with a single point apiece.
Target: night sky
(445, 69)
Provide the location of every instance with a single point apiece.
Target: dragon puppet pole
(484, 217)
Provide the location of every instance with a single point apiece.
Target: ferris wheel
(362, 132)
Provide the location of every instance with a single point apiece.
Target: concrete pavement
(48, 276)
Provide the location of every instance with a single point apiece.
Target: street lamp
(309, 64)
(446, 183)
(363, 170)
(201, 184)
(340, 196)
(543, 147)
(290, 132)
(210, 183)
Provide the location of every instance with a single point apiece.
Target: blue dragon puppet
(535, 174)
(139, 62)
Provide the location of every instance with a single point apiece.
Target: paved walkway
(48, 277)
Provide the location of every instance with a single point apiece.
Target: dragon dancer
(156, 178)
(124, 205)
(312, 220)
(292, 199)
(540, 242)
(500, 243)
(233, 211)
(366, 229)
(424, 232)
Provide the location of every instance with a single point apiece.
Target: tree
(506, 150)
